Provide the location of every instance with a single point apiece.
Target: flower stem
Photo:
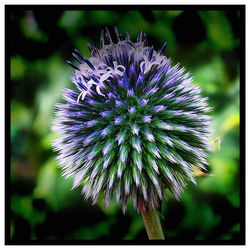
(152, 223)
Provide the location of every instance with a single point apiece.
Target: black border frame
(240, 8)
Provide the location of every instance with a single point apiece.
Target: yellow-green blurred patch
(30, 28)
(17, 67)
(219, 29)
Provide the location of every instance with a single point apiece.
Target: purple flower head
(131, 92)
(132, 110)
(133, 125)
(143, 102)
(147, 118)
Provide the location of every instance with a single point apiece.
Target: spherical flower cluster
(134, 127)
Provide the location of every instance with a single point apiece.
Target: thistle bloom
(134, 127)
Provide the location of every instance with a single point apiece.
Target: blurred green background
(43, 205)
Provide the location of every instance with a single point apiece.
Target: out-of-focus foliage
(43, 205)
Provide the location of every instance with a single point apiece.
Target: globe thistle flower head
(134, 126)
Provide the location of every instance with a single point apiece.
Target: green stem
(152, 223)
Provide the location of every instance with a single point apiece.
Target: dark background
(42, 204)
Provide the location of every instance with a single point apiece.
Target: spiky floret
(134, 126)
